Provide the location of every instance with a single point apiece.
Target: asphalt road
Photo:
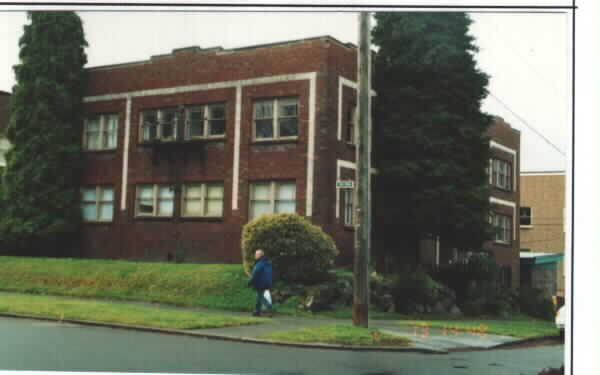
(36, 346)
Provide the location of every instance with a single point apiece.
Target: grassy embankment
(338, 334)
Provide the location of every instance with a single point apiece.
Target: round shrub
(299, 250)
(414, 287)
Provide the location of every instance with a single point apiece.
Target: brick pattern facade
(544, 193)
(193, 76)
(505, 146)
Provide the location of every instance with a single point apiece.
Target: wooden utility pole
(360, 306)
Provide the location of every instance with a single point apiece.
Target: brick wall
(545, 195)
(217, 239)
(507, 141)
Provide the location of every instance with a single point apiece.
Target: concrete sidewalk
(432, 340)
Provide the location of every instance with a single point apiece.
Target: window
(503, 226)
(525, 216)
(351, 121)
(272, 197)
(202, 200)
(502, 174)
(348, 207)
(97, 203)
(100, 132)
(159, 125)
(276, 119)
(205, 121)
(154, 200)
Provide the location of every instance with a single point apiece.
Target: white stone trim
(503, 202)
(310, 157)
(513, 152)
(341, 83)
(236, 148)
(542, 173)
(499, 146)
(200, 87)
(348, 165)
(125, 169)
(239, 84)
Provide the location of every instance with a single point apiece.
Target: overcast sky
(526, 55)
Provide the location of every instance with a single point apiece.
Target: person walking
(261, 281)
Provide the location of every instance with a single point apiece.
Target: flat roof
(220, 50)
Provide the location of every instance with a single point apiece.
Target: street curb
(226, 338)
(524, 341)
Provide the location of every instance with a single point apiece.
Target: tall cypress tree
(429, 133)
(41, 194)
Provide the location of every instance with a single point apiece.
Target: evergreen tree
(41, 193)
(429, 133)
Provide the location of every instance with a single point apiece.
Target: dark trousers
(260, 299)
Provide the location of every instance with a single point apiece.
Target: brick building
(4, 116)
(505, 147)
(542, 224)
(504, 201)
(185, 148)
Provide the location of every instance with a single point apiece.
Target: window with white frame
(159, 125)
(525, 216)
(276, 119)
(348, 207)
(351, 122)
(272, 197)
(154, 200)
(205, 121)
(502, 174)
(503, 227)
(202, 200)
(97, 203)
(100, 132)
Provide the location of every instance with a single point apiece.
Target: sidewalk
(427, 340)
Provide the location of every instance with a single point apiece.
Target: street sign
(344, 184)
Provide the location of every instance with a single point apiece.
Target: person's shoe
(255, 314)
(270, 314)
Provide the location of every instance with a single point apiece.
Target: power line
(533, 129)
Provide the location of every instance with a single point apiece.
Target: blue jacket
(262, 274)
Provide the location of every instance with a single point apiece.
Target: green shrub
(480, 269)
(533, 303)
(412, 287)
(489, 298)
(299, 250)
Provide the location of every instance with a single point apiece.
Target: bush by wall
(479, 270)
(299, 250)
(533, 303)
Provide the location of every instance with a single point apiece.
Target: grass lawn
(517, 326)
(218, 286)
(338, 334)
(67, 308)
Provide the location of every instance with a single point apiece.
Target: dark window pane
(217, 127)
(288, 127)
(217, 112)
(196, 124)
(264, 128)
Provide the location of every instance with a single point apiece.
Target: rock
(439, 307)
(455, 310)
(391, 309)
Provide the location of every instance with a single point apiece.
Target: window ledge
(349, 144)
(526, 226)
(215, 219)
(502, 244)
(274, 141)
(104, 151)
(153, 218)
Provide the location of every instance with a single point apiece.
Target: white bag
(267, 296)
